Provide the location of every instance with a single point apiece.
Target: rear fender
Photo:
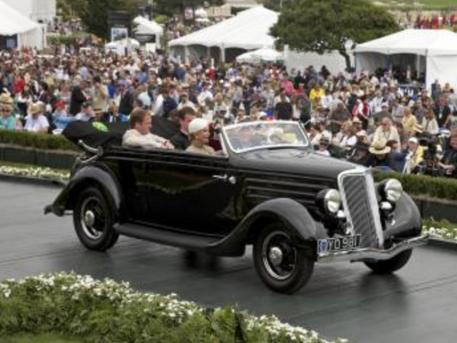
(85, 177)
(289, 212)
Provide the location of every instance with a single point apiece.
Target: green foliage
(441, 229)
(275, 5)
(325, 25)
(45, 338)
(424, 185)
(173, 7)
(106, 312)
(94, 13)
(65, 39)
(36, 140)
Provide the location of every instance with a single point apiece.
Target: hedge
(424, 185)
(66, 39)
(36, 140)
(109, 312)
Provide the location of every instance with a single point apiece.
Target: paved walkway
(418, 304)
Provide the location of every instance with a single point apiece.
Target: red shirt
(19, 86)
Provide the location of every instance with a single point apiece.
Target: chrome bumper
(367, 254)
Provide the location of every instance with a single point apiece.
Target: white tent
(260, 55)
(431, 51)
(248, 30)
(147, 27)
(29, 33)
(123, 45)
(201, 13)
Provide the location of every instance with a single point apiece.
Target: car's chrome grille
(361, 207)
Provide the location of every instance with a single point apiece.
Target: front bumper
(370, 254)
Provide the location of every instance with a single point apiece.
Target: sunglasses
(4, 109)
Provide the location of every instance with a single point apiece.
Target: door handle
(225, 178)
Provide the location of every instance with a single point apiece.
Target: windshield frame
(264, 147)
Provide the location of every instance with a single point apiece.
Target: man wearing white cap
(199, 137)
(414, 156)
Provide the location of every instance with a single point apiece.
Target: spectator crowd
(367, 118)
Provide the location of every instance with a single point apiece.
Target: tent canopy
(248, 30)
(146, 26)
(417, 42)
(256, 56)
(12, 22)
(431, 51)
(126, 42)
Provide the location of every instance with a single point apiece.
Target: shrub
(424, 185)
(36, 140)
(110, 312)
(65, 39)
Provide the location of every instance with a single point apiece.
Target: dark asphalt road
(418, 304)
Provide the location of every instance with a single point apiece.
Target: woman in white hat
(199, 137)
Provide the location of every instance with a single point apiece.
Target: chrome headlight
(393, 190)
(332, 201)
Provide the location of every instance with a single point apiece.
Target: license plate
(338, 244)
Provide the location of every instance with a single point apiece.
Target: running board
(167, 237)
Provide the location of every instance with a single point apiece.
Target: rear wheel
(281, 265)
(93, 220)
(391, 265)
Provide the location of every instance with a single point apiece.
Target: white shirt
(83, 116)
(133, 138)
(36, 124)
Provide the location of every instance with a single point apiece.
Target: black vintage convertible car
(267, 189)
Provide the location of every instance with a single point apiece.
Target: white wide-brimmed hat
(197, 124)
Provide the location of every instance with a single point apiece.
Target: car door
(190, 192)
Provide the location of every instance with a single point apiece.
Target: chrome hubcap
(92, 218)
(279, 255)
(89, 218)
(275, 256)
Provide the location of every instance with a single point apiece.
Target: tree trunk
(347, 58)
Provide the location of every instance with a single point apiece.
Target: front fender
(87, 176)
(291, 213)
(406, 220)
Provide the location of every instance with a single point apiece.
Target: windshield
(265, 135)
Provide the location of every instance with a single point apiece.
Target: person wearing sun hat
(199, 137)
(7, 119)
(36, 120)
(379, 155)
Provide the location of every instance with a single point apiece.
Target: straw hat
(6, 100)
(379, 147)
(35, 108)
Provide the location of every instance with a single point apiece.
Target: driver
(140, 135)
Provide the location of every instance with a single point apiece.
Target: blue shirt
(9, 123)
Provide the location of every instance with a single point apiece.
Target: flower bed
(34, 172)
(106, 311)
(440, 229)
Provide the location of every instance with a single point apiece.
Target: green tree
(275, 5)
(94, 13)
(171, 7)
(325, 25)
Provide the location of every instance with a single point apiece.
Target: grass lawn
(44, 338)
(423, 4)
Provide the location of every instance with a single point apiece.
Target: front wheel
(391, 265)
(281, 265)
(93, 220)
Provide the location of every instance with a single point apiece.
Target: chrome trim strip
(367, 254)
(371, 196)
(375, 207)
